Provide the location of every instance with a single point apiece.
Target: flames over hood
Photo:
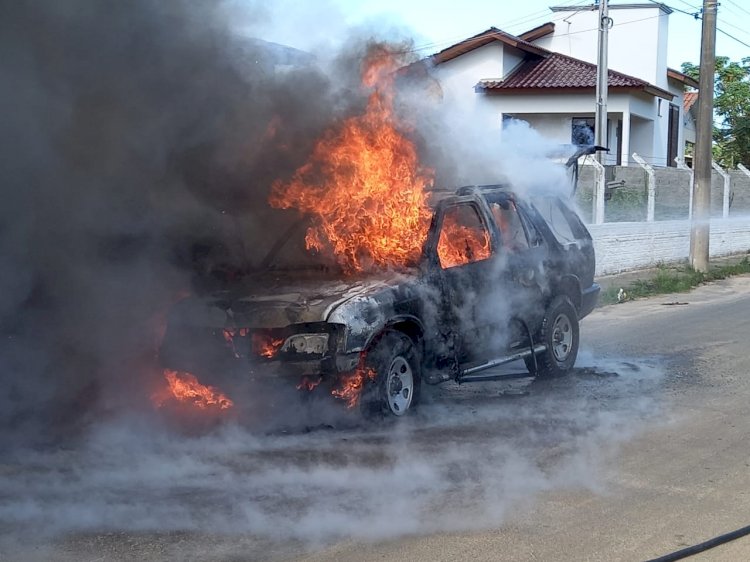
(363, 184)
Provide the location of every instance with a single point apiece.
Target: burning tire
(396, 386)
(559, 333)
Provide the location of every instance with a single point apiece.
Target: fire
(363, 184)
(266, 346)
(459, 244)
(351, 385)
(185, 388)
(229, 335)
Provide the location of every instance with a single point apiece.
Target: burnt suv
(501, 278)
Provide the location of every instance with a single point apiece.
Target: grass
(672, 280)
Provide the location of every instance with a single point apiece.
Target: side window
(550, 209)
(463, 237)
(511, 228)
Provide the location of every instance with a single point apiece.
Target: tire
(395, 389)
(560, 334)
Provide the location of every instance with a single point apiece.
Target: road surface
(641, 451)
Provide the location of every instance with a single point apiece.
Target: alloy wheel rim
(562, 337)
(399, 385)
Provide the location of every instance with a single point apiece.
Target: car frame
(427, 323)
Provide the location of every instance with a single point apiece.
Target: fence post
(682, 166)
(743, 170)
(600, 186)
(727, 184)
(651, 204)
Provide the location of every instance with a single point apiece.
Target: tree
(731, 132)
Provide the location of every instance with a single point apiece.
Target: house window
(582, 130)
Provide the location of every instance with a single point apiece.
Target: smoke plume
(139, 143)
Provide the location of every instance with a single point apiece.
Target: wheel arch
(410, 326)
(568, 286)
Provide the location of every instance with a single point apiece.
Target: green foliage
(672, 280)
(732, 105)
(627, 204)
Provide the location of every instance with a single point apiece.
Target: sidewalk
(626, 278)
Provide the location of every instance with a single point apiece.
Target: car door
(463, 249)
(521, 256)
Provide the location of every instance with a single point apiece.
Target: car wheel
(559, 333)
(395, 388)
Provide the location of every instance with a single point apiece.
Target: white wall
(459, 76)
(637, 39)
(625, 246)
(642, 140)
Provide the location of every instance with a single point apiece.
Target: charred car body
(501, 278)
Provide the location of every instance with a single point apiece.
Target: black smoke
(136, 137)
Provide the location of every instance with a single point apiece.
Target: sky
(436, 24)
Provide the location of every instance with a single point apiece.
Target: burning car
(498, 278)
(382, 283)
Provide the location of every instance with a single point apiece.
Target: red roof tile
(688, 99)
(556, 71)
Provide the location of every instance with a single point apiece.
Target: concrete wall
(629, 203)
(627, 246)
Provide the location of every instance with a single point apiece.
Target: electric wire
(698, 16)
(538, 15)
(738, 6)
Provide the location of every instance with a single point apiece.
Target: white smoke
(467, 459)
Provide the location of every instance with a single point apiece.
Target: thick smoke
(139, 143)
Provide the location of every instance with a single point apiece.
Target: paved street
(641, 451)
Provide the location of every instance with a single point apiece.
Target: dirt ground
(640, 451)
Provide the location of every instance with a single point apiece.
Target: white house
(690, 116)
(547, 77)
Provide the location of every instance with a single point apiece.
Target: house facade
(547, 77)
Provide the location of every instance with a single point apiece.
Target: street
(640, 452)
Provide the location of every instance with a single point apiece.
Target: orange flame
(266, 346)
(185, 388)
(229, 335)
(351, 385)
(363, 184)
(459, 244)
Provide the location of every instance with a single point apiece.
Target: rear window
(563, 222)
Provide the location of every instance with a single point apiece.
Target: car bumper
(589, 298)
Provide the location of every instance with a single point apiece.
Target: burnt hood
(276, 299)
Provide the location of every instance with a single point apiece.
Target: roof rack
(469, 189)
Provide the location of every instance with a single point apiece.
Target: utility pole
(600, 122)
(700, 226)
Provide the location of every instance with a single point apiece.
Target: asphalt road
(641, 451)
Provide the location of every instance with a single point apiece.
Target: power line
(732, 37)
(697, 15)
(740, 29)
(689, 5)
(738, 7)
(510, 23)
